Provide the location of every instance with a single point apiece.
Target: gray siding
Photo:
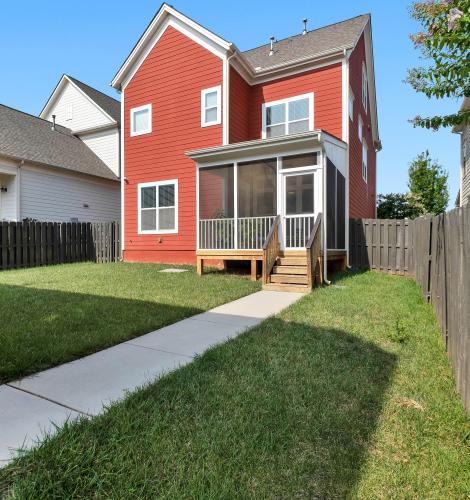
(465, 167)
(51, 196)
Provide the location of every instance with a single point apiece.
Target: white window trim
(365, 88)
(135, 110)
(360, 128)
(309, 96)
(156, 184)
(218, 120)
(351, 105)
(364, 161)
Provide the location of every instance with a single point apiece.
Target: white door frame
(317, 196)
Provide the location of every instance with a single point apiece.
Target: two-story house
(222, 149)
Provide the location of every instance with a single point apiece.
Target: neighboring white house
(49, 174)
(92, 116)
(464, 131)
(64, 165)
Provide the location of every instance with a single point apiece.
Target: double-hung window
(158, 207)
(359, 128)
(351, 105)
(364, 87)
(211, 112)
(141, 120)
(364, 160)
(288, 116)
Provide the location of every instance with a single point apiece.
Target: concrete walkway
(33, 405)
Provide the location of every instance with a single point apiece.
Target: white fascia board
(52, 98)
(167, 16)
(371, 81)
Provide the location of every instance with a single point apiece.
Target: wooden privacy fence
(436, 252)
(30, 244)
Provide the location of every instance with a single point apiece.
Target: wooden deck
(253, 256)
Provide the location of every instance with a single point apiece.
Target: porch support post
(253, 270)
(235, 205)
(199, 265)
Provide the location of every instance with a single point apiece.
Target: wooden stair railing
(271, 249)
(314, 262)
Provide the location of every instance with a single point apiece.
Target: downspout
(325, 221)
(226, 101)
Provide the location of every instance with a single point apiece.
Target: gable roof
(105, 102)
(110, 106)
(318, 42)
(29, 138)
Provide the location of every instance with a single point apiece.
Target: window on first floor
(211, 113)
(158, 207)
(288, 116)
(364, 161)
(141, 120)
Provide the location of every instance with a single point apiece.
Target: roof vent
(304, 32)
(53, 122)
(271, 50)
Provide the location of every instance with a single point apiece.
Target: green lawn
(51, 315)
(347, 394)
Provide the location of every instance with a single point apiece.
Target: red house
(234, 155)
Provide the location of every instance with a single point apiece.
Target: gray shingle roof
(104, 101)
(316, 42)
(30, 138)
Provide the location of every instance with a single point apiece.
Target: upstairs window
(359, 128)
(211, 107)
(141, 120)
(364, 87)
(351, 105)
(364, 161)
(288, 116)
(158, 207)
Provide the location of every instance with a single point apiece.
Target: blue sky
(89, 40)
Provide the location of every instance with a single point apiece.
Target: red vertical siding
(362, 195)
(325, 83)
(171, 79)
(240, 96)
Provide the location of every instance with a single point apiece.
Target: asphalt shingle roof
(316, 42)
(104, 101)
(30, 138)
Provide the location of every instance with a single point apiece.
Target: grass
(346, 394)
(51, 315)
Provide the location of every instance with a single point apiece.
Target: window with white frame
(141, 120)
(364, 87)
(359, 128)
(288, 116)
(211, 112)
(364, 160)
(351, 105)
(158, 207)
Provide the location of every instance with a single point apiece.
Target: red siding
(240, 95)
(171, 79)
(325, 83)
(362, 195)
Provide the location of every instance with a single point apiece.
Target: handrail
(314, 264)
(271, 249)
(313, 233)
(271, 231)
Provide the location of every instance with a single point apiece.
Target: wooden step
(290, 270)
(291, 261)
(288, 278)
(279, 287)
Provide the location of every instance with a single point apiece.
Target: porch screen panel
(331, 204)
(257, 201)
(216, 207)
(340, 210)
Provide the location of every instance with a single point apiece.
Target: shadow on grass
(286, 410)
(43, 328)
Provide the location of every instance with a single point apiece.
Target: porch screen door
(299, 208)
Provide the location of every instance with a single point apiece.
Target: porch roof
(273, 146)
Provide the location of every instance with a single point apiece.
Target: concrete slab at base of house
(86, 386)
